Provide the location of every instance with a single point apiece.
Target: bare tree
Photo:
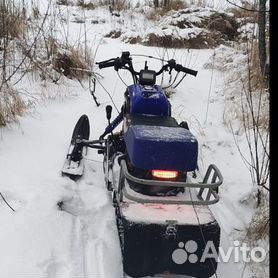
(261, 38)
(254, 109)
(262, 11)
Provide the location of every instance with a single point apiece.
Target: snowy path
(81, 239)
(94, 236)
(43, 240)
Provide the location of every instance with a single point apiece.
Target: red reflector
(163, 174)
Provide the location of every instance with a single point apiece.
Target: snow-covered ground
(39, 239)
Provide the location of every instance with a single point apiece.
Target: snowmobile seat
(133, 119)
(166, 146)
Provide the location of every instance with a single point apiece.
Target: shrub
(13, 23)
(202, 40)
(62, 2)
(86, 5)
(245, 14)
(175, 5)
(11, 105)
(224, 24)
(71, 62)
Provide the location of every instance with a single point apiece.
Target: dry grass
(225, 25)
(44, 57)
(11, 105)
(152, 15)
(13, 22)
(248, 16)
(258, 80)
(257, 235)
(114, 34)
(201, 41)
(13, 25)
(259, 86)
(72, 63)
(35, 12)
(121, 5)
(177, 5)
(87, 6)
(259, 228)
(133, 40)
(53, 59)
(62, 2)
(219, 28)
(174, 5)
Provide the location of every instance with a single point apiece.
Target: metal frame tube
(211, 186)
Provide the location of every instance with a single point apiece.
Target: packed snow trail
(80, 239)
(95, 226)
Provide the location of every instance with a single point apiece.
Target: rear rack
(207, 194)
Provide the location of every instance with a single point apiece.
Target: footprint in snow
(53, 268)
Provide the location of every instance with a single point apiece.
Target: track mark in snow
(77, 248)
(95, 248)
(226, 217)
(95, 251)
(53, 268)
(229, 269)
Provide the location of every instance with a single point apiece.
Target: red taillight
(164, 174)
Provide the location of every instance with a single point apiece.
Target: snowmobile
(163, 219)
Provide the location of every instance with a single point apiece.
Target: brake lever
(171, 65)
(118, 64)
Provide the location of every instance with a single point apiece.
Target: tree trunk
(166, 3)
(156, 3)
(262, 42)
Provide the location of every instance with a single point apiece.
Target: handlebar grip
(190, 71)
(185, 70)
(105, 64)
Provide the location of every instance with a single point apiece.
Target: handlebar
(117, 63)
(179, 68)
(106, 64)
(125, 61)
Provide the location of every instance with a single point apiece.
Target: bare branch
(32, 45)
(246, 9)
(6, 202)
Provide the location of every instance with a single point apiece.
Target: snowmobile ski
(74, 163)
